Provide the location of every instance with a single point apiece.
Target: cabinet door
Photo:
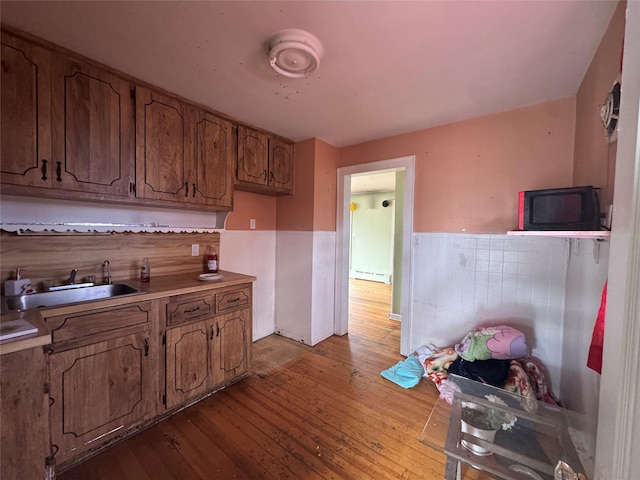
(281, 165)
(164, 147)
(230, 355)
(253, 156)
(100, 390)
(188, 370)
(93, 130)
(24, 415)
(25, 149)
(212, 181)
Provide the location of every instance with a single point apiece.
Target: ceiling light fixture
(294, 53)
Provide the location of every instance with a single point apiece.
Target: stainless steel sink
(63, 297)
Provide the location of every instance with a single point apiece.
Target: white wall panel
(323, 295)
(294, 259)
(461, 281)
(253, 252)
(585, 281)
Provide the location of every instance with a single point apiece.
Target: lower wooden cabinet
(231, 349)
(188, 372)
(100, 390)
(24, 443)
(106, 373)
(103, 375)
(206, 354)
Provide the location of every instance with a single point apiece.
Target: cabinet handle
(192, 310)
(43, 169)
(193, 192)
(211, 338)
(234, 300)
(51, 459)
(59, 171)
(266, 175)
(51, 401)
(217, 330)
(186, 186)
(146, 347)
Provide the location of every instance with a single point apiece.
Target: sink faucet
(72, 277)
(106, 278)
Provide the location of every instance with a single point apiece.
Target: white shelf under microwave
(592, 234)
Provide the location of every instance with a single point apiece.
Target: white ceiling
(389, 67)
(373, 182)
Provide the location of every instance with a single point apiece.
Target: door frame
(341, 314)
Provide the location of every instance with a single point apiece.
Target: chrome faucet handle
(106, 279)
(72, 276)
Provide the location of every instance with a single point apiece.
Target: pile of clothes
(496, 355)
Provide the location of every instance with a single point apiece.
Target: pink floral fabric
(437, 365)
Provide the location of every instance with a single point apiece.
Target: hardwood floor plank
(366, 425)
(255, 462)
(336, 436)
(154, 463)
(220, 466)
(130, 465)
(294, 442)
(103, 467)
(319, 437)
(278, 456)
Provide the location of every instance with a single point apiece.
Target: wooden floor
(324, 414)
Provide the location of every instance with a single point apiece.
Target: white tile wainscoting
(461, 281)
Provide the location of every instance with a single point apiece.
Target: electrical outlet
(252, 224)
(195, 249)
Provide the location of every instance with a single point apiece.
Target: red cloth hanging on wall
(594, 360)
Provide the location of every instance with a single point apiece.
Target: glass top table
(537, 439)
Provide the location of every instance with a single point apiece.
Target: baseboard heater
(373, 276)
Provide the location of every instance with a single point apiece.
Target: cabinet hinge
(133, 93)
(164, 399)
(132, 187)
(46, 387)
(164, 338)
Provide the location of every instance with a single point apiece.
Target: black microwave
(571, 208)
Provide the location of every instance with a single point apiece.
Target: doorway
(403, 263)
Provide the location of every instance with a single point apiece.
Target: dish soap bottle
(145, 270)
(212, 260)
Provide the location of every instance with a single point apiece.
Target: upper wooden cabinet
(25, 149)
(281, 165)
(183, 154)
(92, 129)
(164, 147)
(265, 163)
(72, 129)
(66, 125)
(214, 159)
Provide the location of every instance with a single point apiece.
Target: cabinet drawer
(188, 308)
(233, 299)
(69, 327)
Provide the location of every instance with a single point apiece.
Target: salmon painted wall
(595, 156)
(247, 206)
(468, 174)
(295, 212)
(325, 178)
